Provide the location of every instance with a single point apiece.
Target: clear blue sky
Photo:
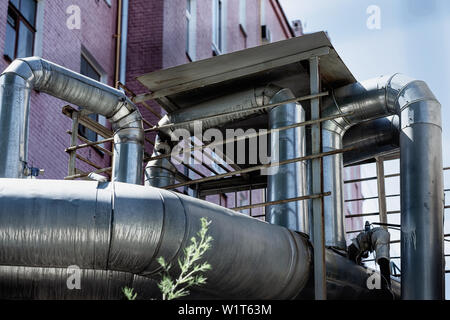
(413, 39)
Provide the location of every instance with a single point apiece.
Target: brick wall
(48, 125)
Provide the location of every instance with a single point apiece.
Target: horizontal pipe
(117, 231)
(23, 75)
(371, 139)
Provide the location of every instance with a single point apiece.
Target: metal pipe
(287, 181)
(371, 139)
(240, 105)
(421, 196)
(421, 160)
(119, 230)
(123, 41)
(23, 75)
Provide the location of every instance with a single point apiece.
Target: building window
(218, 26)
(88, 70)
(20, 29)
(190, 28)
(243, 14)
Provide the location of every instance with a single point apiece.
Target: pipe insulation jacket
(24, 75)
(421, 177)
(114, 233)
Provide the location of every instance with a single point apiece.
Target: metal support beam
(381, 191)
(73, 143)
(320, 289)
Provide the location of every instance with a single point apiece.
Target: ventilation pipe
(371, 139)
(117, 231)
(287, 181)
(420, 169)
(24, 75)
(168, 136)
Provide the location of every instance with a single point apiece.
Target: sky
(382, 37)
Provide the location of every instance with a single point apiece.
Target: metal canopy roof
(278, 63)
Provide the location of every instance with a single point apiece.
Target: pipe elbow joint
(381, 243)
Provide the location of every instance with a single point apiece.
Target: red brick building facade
(161, 34)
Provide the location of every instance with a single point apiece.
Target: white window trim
(215, 45)
(192, 30)
(243, 14)
(39, 35)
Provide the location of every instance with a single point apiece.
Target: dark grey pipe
(422, 200)
(420, 169)
(123, 227)
(371, 139)
(167, 137)
(287, 181)
(24, 75)
(116, 231)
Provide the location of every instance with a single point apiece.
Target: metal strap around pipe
(265, 204)
(263, 166)
(172, 125)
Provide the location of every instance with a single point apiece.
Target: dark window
(20, 29)
(88, 70)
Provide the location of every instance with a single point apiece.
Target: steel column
(381, 191)
(320, 288)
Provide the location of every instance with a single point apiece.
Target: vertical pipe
(320, 287)
(14, 91)
(333, 182)
(118, 43)
(287, 181)
(124, 41)
(422, 204)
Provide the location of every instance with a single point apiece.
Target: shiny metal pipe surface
(287, 181)
(124, 228)
(26, 74)
(420, 168)
(421, 196)
(114, 232)
(371, 139)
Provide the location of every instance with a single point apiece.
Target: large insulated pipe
(185, 118)
(24, 75)
(371, 139)
(114, 233)
(125, 228)
(420, 169)
(287, 181)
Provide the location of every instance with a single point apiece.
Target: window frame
(218, 24)
(191, 19)
(21, 18)
(102, 78)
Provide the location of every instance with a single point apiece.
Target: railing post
(320, 288)
(73, 142)
(381, 192)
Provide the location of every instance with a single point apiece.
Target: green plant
(128, 292)
(190, 266)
